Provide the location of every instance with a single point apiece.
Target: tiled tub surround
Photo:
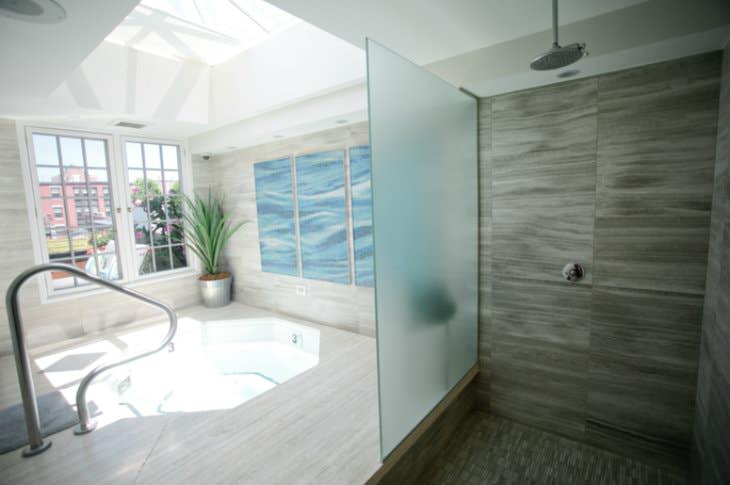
(345, 306)
(69, 318)
(318, 427)
(614, 172)
(712, 425)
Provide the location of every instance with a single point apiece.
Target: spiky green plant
(207, 229)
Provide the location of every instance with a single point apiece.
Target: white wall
(348, 105)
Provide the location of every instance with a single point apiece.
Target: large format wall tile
(540, 383)
(644, 352)
(542, 190)
(614, 172)
(657, 131)
(485, 248)
(539, 344)
(557, 313)
(711, 444)
(543, 180)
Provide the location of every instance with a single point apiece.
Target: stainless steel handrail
(36, 444)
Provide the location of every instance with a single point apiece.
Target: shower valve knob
(573, 272)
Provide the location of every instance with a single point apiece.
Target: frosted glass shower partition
(423, 137)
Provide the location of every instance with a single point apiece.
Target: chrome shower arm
(22, 359)
(555, 23)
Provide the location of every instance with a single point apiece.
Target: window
(313, 222)
(73, 163)
(154, 189)
(76, 184)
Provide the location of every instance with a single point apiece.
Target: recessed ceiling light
(35, 11)
(341, 122)
(278, 136)
(568, 73)
(231, 147)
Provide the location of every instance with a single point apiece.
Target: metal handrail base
(22, 359)
(84, 428)
(33, 451)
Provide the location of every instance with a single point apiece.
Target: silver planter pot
(216, 293)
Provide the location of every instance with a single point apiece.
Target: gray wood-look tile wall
(51, 322)
(613, 172)
(711, 448)
(343, 306)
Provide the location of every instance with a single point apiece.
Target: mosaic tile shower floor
(488, 450)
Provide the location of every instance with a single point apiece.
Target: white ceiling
(646, 33)
(485, 46)
(35, 58)
(426, 31)
(66, 75)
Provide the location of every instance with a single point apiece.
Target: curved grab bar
(22, 360)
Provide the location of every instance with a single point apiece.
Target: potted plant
(207, 230)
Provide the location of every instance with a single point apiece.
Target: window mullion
(94, 243)
(146, 192)
(69, 238)
(121, 213)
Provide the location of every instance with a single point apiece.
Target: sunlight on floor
(211, 365)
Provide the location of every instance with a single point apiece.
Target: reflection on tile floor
(489, 450)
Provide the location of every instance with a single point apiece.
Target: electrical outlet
(301, 290)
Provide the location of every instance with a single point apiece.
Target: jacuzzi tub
(210, 366)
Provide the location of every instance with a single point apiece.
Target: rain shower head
(558, 56)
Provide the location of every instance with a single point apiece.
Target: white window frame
(186, 180)
(121, 212)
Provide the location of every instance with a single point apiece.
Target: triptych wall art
(362, 214)
(309, 196)
(275, 207)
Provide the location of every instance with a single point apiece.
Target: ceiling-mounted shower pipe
(558, 56)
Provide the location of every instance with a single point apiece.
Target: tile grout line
(152, 449)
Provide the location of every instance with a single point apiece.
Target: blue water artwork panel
(323, 216)
(275, 209)
(362, 214)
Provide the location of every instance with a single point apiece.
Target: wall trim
(424, 426)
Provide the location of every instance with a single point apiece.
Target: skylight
(207, 31)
